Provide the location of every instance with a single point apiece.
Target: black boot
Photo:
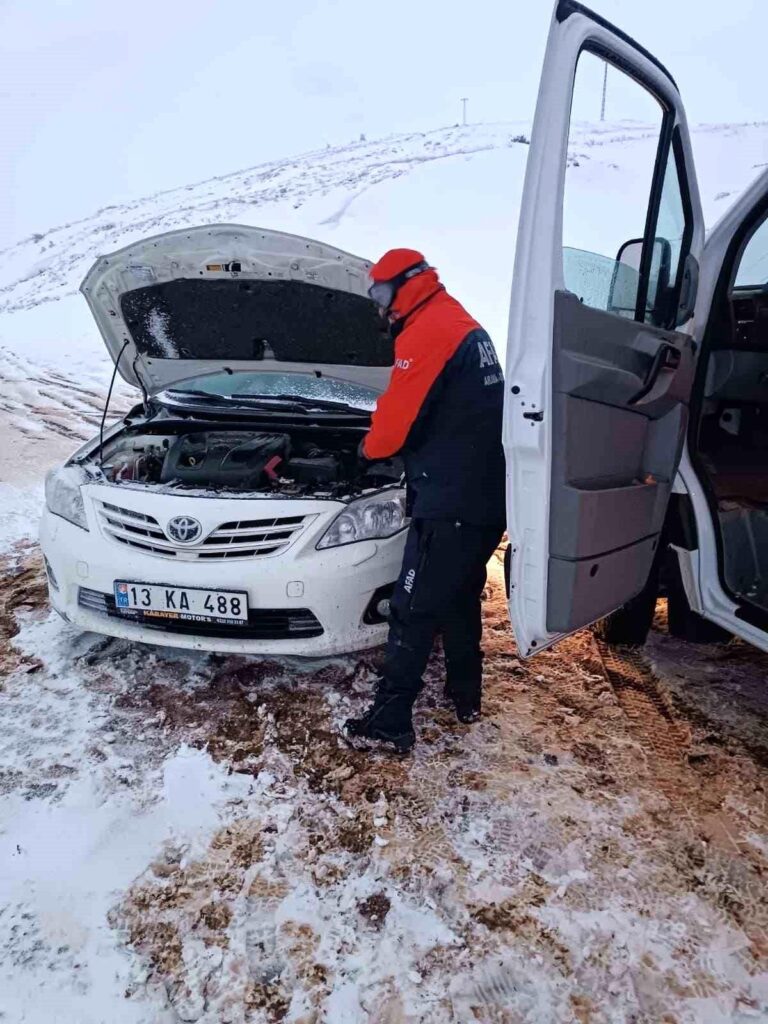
(466, 699)
(387, 722)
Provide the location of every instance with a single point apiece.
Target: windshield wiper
(194, 394)
(318, 403)
(242, 402)
(296, 403)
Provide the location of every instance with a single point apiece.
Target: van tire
(631, 623)
(686, 624)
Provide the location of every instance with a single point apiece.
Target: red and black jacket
(442, 411)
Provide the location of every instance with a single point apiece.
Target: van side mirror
(622, 298)
(626, 281)
(688, 292)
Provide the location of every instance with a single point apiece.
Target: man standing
(442, 412)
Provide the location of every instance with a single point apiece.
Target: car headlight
(377, 516)
(62, 494)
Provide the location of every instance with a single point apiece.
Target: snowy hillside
(454, 193)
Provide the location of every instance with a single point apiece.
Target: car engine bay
(235, 460)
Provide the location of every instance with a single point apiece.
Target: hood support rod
(139, 378)
(106, 404)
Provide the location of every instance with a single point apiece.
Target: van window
(607, 208)
(672, 220)
(674, 227)
(753, 266)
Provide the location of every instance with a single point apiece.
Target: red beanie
(395, 262)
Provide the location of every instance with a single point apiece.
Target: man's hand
(361, 450)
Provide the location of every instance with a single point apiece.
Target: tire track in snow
(652, 716)
(37, 401)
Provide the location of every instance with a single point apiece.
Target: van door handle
(667, 357)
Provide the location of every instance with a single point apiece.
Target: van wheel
(631, 623)
(686, 624)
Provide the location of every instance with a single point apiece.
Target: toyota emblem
(184, 530)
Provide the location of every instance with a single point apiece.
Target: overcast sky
(103, 102)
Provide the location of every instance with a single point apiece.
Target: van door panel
(598, 376)
(613, 461)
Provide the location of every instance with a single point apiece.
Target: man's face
(383, 294)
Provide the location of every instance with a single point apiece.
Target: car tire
(631, 623)
(686, 624)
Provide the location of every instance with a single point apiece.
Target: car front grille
(243, 538)
(263, 623)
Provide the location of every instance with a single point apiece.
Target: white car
(230, 511)
(636, 426)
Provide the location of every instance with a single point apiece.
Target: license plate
(191, 604)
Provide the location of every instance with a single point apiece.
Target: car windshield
(245, 384)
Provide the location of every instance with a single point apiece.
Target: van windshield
(753, 266)
(259, 384)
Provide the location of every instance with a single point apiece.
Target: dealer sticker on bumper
(192, 604)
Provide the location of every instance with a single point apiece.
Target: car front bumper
(332, 592)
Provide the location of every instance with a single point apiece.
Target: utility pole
(464, 109)
(605, 88)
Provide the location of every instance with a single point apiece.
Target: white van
(636, 426)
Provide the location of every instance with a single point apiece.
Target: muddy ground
(593, 851)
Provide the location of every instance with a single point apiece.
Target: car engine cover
(223, 460)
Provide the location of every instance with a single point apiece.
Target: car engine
(247, 461)
(240, 461)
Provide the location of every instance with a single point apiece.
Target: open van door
(599, 373)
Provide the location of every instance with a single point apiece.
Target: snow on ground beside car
(186, 838)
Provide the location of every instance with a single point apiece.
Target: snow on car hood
(194, 301)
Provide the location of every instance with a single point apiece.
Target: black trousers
(439, 591)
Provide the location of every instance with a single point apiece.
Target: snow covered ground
(184, 837)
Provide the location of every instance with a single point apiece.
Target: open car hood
(194, 301)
